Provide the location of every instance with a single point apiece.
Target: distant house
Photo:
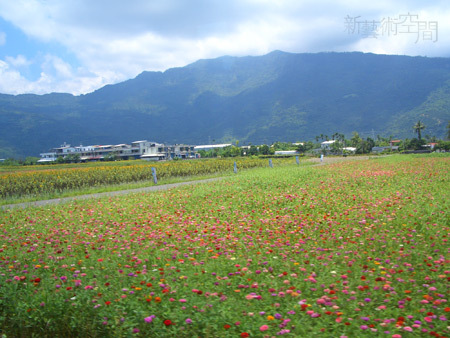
(47, 158)
(286, 152)
(349, 150)
(387, 148)
(326, 145)
(211, 146)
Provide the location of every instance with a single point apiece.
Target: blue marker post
(270, 163)
(155, 179)
(235, 168)
(296, 160)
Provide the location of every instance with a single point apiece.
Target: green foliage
(266, 150)
(443, 145)
(412, 144)
(305, 147)
(283, 146)
(30, 160)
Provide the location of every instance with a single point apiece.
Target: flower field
(352, 249)
(46, 179)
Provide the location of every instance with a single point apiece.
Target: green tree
(443, 145)
(306, 146)
(355, 140)
(418, 127)
(253, 150)
(448, 130)
(264, 149)
(30, 160)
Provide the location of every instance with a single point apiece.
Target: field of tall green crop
(351, 249)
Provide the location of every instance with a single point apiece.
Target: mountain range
(280, 96)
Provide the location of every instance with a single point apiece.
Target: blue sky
(79, 46)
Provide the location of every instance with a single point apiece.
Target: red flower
(168, 322)
(107, 302)
(244, 335)
(226, 326)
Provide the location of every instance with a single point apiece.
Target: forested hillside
(276, 97)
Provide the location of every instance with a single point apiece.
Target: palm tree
(418, 128)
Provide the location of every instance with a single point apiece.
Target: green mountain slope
(276, 97)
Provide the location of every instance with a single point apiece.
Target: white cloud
(114, 40)
(18, 61)
(56, 76)
(11, 82)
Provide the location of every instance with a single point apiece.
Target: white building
(211, 146)
(138, 150)
(326, 145)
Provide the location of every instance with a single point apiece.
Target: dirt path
(102, 194)
(326, 160)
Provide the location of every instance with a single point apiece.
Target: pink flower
(149, 319)
(264, 328)
(428, 319)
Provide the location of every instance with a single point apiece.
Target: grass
(106, 188)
